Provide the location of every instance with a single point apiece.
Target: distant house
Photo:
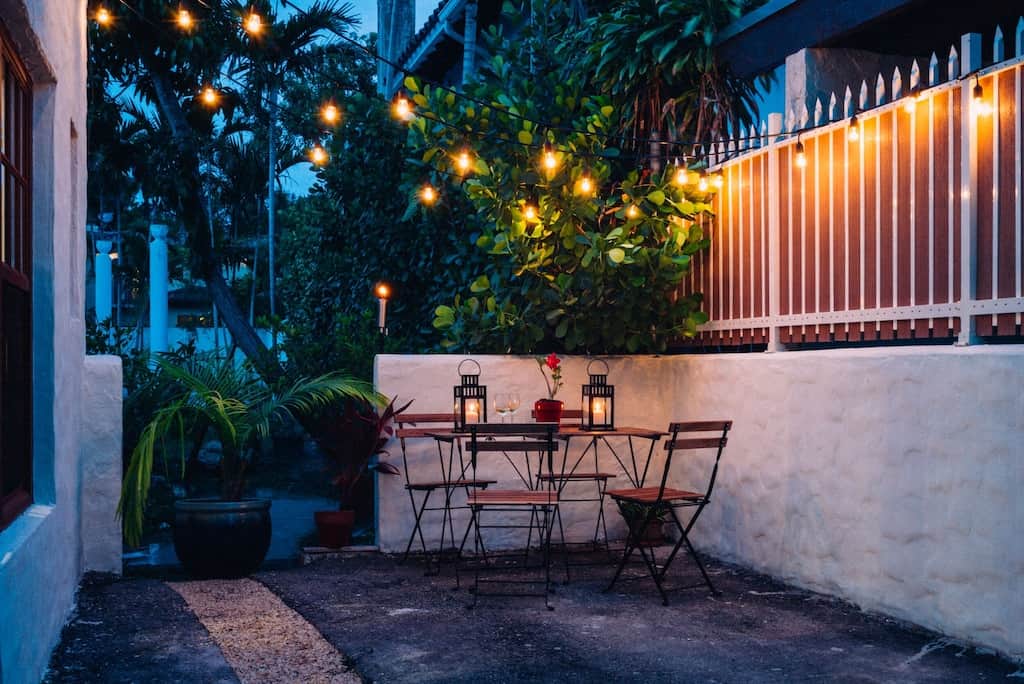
(60, 411)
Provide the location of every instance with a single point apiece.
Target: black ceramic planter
(215, 538)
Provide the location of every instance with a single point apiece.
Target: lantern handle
(473, 361)
(600, 361)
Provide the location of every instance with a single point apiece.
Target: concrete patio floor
(390, 623)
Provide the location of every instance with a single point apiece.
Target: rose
(553, 361)
(554, 364)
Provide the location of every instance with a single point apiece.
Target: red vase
(334, 528)
(547, 410)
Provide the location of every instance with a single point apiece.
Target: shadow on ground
(397, 625)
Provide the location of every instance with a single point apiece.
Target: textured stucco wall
(100, 464)
(889, 477)
(40, 553)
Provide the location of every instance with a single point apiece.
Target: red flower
(553, 361)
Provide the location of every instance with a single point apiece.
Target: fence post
(970, 61)
(774, 232)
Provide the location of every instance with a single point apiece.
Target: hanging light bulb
(978, 103)
(702, 184)
(253, 24)
(801, 159)
(103, 16)
(401, 108)
(330, 114)
(428, 195)
(530, 212)
(632, 211)
(853, 131)
(464, 162)
(680, 177)
(318, 155)
(717, 181)
(209, 96)
(586, 184)
(184, 19)
(549, 158)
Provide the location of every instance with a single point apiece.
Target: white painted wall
(101, 464)
(41, 552)
(889, 477)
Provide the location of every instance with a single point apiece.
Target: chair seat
(441, 484)
(577, 476)
(512, 498)
(650, 495)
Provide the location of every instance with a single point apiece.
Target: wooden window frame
(16, 274)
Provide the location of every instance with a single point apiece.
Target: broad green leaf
(481, 284)
(411, 85)
(616, 255)
(525, 137)
(657, 197)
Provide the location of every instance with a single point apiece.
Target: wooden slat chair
(510, 438)
(572, 473)
(661, 500)
(452, 476)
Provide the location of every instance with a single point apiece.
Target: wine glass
(501, 405)
(513, 404)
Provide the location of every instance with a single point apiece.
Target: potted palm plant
(353, 442)
(227, 536)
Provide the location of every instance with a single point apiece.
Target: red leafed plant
(356, 437)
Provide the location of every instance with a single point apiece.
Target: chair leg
(546, 549)
(417, 528)
(684, 538)
(632, 541)
(561, 537)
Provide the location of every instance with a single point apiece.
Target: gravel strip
(263, 639)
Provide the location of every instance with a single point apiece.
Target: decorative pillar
(104, 280)
(157, 288)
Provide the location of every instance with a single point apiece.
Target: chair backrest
(682, 438)
(424, 423)
(512, 437)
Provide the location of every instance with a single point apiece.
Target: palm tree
(207, 393)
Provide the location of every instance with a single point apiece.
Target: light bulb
(104, 17)
(463, 162)
(801, 158)
(632, 212)
(330, 114)
(979, 105)
(209, 96)
(401, 109)
(530, 213)
(549, 159)
(702, 184)
(680, 176)
(853, 132)
(253, 24)
(184, 19)
(382, 290)
(428, 195)
(717, 180)
(318, 155)
(586, 185)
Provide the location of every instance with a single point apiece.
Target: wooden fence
(911, 231)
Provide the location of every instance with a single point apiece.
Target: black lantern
(598, 400)
(470, 398)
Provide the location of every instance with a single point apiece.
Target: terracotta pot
(334, 528)
(547, 410)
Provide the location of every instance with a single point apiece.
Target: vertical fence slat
(1018, 249)
(1009, 201)
(970, 61)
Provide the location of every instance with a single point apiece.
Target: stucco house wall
(41, 552)
(889, 477)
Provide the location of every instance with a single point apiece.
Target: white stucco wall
(889, 477)
(101, 464)
(41, 551)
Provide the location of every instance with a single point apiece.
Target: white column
(104, 278)
(157, 288)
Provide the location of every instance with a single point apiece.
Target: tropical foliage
(208, 394)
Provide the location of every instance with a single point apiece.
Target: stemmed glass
(502, 405)
(513, 404)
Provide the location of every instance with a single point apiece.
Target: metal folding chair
(663, 500)
(453, 476)
(542, 502)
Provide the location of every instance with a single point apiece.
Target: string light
(428, 195)
(209, 96)
(585, 185)
(318, 155)
(103, 16)
(401, 108)
(717, 181)
(702, 184)
(549, 158)
(853, 131)
(801, 159)
(530, 211)
(681, 176)
(463, 162)
(253, 24)
(184, 19)
(979, 105)
(330, 114)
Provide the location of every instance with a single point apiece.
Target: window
(15, 285)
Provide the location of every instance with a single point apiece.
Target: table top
(564, 432)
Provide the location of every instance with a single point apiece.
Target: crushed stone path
(263, 639)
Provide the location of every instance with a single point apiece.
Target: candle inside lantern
(598, 412)
(472, 411)
(383, 292)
